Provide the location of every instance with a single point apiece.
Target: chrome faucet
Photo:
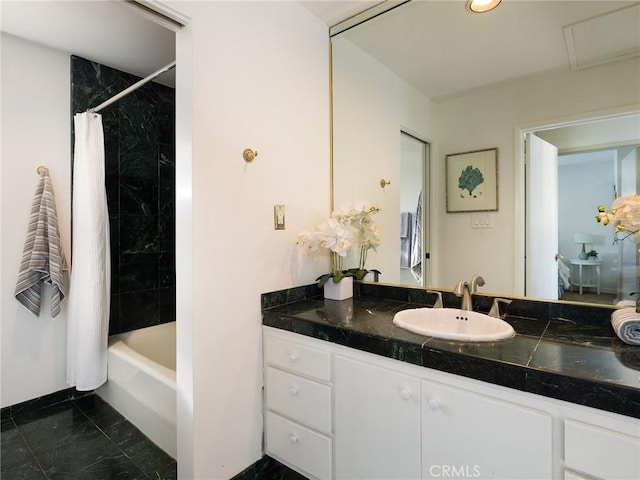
(462, 290)
(465, 290)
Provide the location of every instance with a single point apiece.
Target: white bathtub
(141, 381)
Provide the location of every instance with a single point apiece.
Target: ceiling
(333, 12)
(437, 46)
(617, 131)
(442, 49)
(107, 32)
(112, 33)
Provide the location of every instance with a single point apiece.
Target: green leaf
(360, 274)
(322, 279)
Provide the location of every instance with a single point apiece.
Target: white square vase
(339, 291)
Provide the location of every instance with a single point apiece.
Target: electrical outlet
(278, 217)
(481, 220)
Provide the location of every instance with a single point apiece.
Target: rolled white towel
(626, 324)
(626, 303)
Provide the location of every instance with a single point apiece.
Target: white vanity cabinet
(337, 412)
(377, 422)
(469, 435)
(298, 404)
(392, 422)
(599, 447)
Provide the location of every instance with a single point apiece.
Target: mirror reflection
(459, 82)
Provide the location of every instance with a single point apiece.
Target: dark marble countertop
(557, 357)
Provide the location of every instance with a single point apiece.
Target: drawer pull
(293, 358)
(293, 391)
(405, 394)
(433, 404)
(293, 439)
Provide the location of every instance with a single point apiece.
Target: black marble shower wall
(139, 133)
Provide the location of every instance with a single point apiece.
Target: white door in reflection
(414, 209)
(597, 161)
(541, 242)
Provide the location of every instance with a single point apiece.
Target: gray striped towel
(43, 256)
(416, 247)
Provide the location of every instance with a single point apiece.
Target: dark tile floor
(268, 469)
(77, 439)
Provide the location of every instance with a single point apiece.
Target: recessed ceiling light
(481, 6)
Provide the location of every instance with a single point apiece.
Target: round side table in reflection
(587, 281)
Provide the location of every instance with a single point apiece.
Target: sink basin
(453, 324)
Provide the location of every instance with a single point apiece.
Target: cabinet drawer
(298, 358)
(601, 452)
(298, 446)
(298, 398)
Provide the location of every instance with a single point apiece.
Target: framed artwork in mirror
(472, 181)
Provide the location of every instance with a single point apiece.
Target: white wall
(629, 170)
(250, 75)
(258, 76)
(629, 274)
(371, 106)
(581, 188)
(488, 118)
(35, 131)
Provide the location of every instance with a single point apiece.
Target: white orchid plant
(337, 235)
(624, 216)
(359, 216)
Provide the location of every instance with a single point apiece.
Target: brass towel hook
(39, 170)
(384, 183)
(249, 155)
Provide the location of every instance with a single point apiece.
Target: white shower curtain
(88, 309)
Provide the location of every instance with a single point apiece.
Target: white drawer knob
(293, 358)
(293, 439)
(293, 390)
(405, 394)
(433, 404)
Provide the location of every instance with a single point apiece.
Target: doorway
(597, 177)
(598, 161)
(414, 210)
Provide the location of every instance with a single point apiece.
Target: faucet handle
(476, 281)
(438, 302)
(495, 308)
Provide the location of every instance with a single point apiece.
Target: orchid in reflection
(360, 217)
(623, 216)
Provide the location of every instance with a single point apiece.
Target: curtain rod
(133, 87)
